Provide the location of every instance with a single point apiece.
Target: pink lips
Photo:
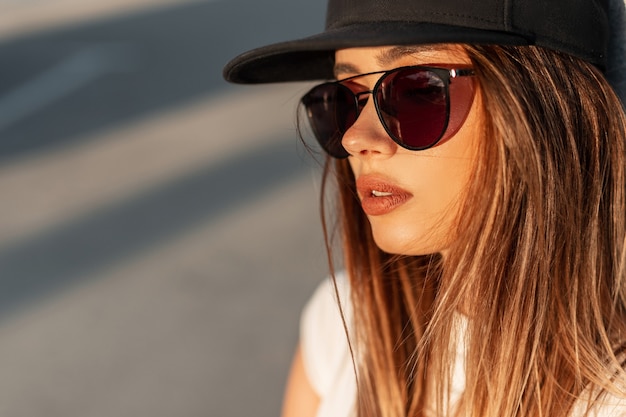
(380, 197)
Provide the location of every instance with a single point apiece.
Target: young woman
(479, 159)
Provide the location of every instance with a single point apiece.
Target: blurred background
(159, 229)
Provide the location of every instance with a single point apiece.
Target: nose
(367, 137)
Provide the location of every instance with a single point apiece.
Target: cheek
(453, 164)
(428, 224)
(438, 178)
(449, 179)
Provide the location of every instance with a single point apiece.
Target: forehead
(354, 61)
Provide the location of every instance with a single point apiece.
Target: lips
(379, 196)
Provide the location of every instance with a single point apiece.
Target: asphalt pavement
(159, 229)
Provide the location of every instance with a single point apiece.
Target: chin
(409, 244)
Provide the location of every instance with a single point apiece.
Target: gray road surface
(159, 230)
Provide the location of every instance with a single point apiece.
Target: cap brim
(312, 58)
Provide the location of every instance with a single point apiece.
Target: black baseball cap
(577, 27)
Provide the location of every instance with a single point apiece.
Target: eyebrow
(389, 55)
(385, 58)
(345, 68)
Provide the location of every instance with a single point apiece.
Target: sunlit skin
(434, 179)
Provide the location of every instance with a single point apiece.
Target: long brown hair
(537, 269)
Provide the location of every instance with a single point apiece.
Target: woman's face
(411, 198)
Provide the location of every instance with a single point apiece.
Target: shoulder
(323, 338)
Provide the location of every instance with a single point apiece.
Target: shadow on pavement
(58, 257)
(154, 61)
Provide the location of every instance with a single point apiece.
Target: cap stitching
(507, 15)
(480, 19)
(339, 23)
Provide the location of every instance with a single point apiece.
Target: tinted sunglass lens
(413, 107)
(331, 110)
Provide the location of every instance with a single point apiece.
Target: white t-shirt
(329, 367)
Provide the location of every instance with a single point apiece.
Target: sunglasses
(413, 104)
